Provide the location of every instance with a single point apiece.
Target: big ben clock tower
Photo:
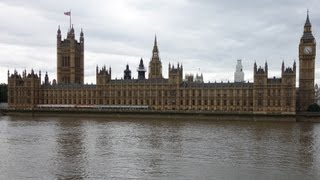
(307, 54)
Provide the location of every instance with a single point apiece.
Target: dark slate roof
(70, 86)
(274, 80)
(146, 81)
(307, 36)
(141, 66)
(216, 85)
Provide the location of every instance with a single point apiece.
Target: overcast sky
(206, 36)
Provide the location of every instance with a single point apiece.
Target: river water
(97, 148)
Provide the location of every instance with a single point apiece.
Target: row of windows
(132, 94)
(66, 61)
(66, 79)
(77, 63)
(182, 93)
(70, 94)
(23, 93)
(158, 102)
(274, 92)
(170, 93)
(150, 102)
(288, 102)
(23, 100)
(93, 94)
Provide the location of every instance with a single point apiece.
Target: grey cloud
(208, 34)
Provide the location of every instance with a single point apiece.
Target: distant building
(189, 77)
(239, 74)
(199, 78)
(262, 96)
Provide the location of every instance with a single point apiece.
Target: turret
(58, 36)
(81, 37)
(71, 33)
(288, 82)
(127, 73)
(255, 68)
(266, 68)
(260, 74)
(141, 70)
(59, 33)
(46, 79)
(103, 76)
(288, 70)
(175, 74)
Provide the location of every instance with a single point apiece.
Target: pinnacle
(307, 20)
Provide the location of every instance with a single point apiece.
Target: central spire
(155, 67)
(307, 24)
(155, 46)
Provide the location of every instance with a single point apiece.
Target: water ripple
(81, 148)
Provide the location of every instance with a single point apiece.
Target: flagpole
(70, 19)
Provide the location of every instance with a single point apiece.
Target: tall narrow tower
(155, 66)
(70, 58)
(239, 75)
(307, 54)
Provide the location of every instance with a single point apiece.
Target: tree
(314, 108)
(3, 93)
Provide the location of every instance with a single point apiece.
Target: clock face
(307, 50)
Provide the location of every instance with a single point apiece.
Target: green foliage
(314, 108)
(3, 93)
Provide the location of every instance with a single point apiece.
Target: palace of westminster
(264, 95)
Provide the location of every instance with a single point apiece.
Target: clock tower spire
(307, 54)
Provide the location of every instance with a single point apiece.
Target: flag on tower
(68, 13)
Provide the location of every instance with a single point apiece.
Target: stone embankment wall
(157, 115)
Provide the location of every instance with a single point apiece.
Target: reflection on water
(82, 148)
(70, 148)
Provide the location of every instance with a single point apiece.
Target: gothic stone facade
(70, 58)
(265, 95)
